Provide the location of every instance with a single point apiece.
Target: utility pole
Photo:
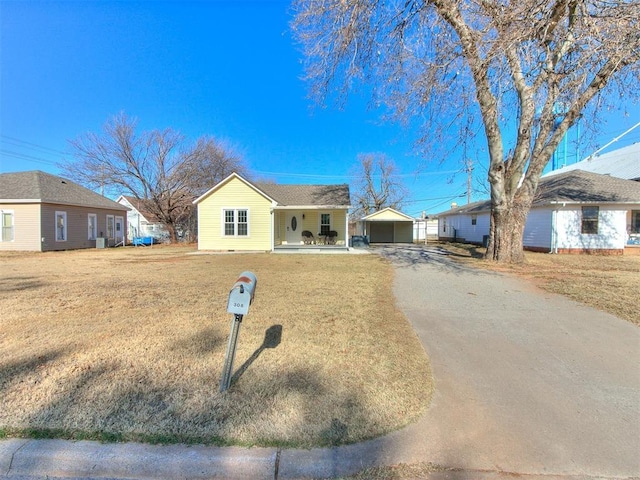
(469, 170)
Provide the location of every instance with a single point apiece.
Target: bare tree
(522, 71)
(156, 167)
(377, 185)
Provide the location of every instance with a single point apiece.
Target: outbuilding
(387, 226)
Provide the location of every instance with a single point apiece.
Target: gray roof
(41, 187)
(621, 163)
(307, 195)
(574, 186)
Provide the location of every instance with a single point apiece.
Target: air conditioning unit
(101, 242)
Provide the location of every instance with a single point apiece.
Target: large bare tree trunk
(507, 232)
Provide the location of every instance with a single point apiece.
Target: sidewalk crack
(13, 455)
(277, 464)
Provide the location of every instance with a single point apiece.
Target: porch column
(346, 229)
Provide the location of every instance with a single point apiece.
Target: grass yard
(128, 344)
(606, 282)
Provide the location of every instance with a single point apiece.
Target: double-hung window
(61, 226)
(7, 226)
(236, 222)
(93, 226)
(325, 223)
(111, 227)
(590, 220)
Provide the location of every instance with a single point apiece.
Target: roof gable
(143, 207)
(233, 177)
(387, 214)
(41, 187)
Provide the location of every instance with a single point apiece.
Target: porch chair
(307, 237)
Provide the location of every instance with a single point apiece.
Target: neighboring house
(387, 226)
(43, 212)
(141, 222)
(240, 215)
(572, 212)
(621, 163)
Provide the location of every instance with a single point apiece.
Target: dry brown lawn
(128, 344)
(606, 282)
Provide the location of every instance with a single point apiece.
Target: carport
(388, 226)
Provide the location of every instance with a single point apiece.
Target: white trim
(13, 225)
(228, 179)
(65, 229)
(223, 222)
(113, 218)
(92, 234)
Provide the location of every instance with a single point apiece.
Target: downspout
(554, 235)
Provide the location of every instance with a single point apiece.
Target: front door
(293, 227)
(119, 230)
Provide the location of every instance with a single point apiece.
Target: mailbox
(241, 294)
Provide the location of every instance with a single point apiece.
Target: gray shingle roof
(308, 195)
(574, 186)
(46, 188)
(586, 187)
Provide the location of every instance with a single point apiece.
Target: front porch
(302, 248)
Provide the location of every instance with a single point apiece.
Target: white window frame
(92, 226)
(5, 228)
(61, 215)
(320, 224)
(236, 222)
(111, 229)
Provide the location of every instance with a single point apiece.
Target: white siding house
(572, 212)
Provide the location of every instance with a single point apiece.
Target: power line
(29, 158)
(34, 146)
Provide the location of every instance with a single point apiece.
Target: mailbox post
(240, 298)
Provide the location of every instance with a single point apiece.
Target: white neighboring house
(573, 212)
(141, 222)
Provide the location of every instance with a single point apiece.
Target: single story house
(239, 215)
(387, 226)
(573, 212)
(43, 212)
(140, 221)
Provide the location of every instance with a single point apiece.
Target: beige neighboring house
(239, 215)
(387, 226)
(141, 222)
(44, 212)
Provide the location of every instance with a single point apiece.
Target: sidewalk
(527, 384)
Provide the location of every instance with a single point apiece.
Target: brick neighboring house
(44, 212)
(141, 222)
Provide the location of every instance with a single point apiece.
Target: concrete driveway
(526, 381)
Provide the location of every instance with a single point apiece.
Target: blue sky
(221, 68)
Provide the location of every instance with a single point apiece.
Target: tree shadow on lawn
(17, 284)
(264, 406)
